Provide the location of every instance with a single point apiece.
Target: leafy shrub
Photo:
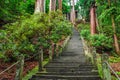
(83, 26)
(106, 30)
(114, 59)
(86, 34)
(101, 41)
(60, 27)
(61, 30)
(28, 34)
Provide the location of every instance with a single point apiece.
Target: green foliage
(10, 10)
(100, 40)
(105, 16)
(83, 6)
(104, 12)
(118, 73)
(114, 59)
(86, 34)
(30, 33)
(60, 32)
(106, 30)
(83, 26)
(100, 71)
(84, 30)
(61, 29)
(65, 6)
(47, 6)
(97, 40)
(27, 6)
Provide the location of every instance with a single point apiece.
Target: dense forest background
(11, 10)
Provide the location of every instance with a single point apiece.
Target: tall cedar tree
(52, 5)
(39, 6)
(72, 12)
(60, 4)
(93, 19)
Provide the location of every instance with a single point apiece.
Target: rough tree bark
(39, 6)
(117, 48)
(44, 6)
(72, 16)
(52, 5)
(60, 4)
(92, 20)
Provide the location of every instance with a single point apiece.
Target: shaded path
(71, 65)
(74, 50)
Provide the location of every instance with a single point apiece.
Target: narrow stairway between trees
(70, 65)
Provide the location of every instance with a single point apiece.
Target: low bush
(83, 26)
(28, 34)
(86, 34)
(100, 41)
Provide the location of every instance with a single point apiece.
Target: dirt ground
(10, 74)
(116, 67)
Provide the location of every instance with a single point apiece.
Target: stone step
(68, 65)
(64, 77)
(69, 62)
(70, 54)
(68, 69)
(65, 54)
(70, 59)
(69, 73)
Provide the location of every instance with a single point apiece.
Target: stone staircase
(71, 65)
(68, 71)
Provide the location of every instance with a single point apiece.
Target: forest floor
(116, 66)
(28, 66)
(10, 74)
(115, 63)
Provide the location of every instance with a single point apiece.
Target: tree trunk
(60, 4)
(92, 20)
(72, 12)
(39, 6)
(97, 24)
(115, 36)
(44, 6)
(24, 0)
(52, 6)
